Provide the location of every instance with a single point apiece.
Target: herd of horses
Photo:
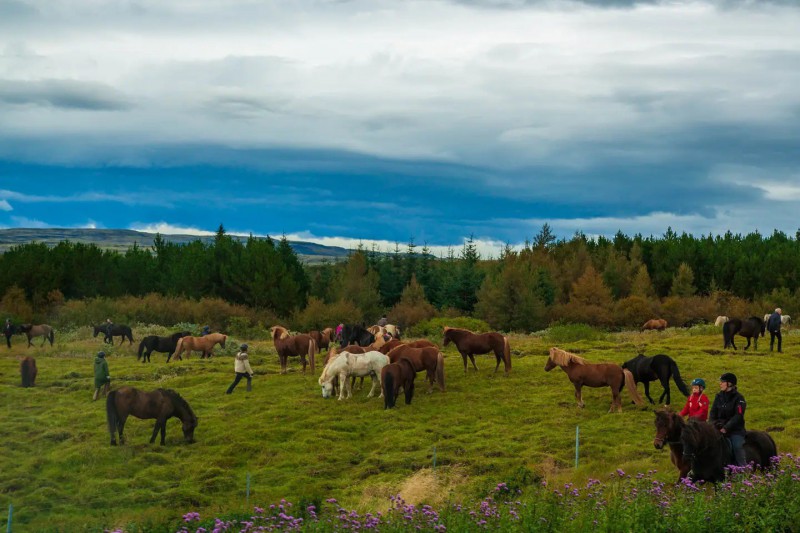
(378, 352)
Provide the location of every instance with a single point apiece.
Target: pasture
(60, 473)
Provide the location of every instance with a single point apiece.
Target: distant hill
(122, 239)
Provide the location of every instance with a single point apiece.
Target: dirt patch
(425, 486)
(775, 428)
(713, 352)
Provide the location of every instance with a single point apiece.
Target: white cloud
(169, 229)
(5, 206)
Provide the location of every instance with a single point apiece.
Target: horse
(658, 324)
(658, 367)
(394, 343)
(27, 368)
(721, 320)
(114, 330)
(355, 334)
(785, 319)
(581, 372)
(348, 364)
(669, 427)
(292, 346)
(713, 451)
(428, 358)
(154, 343)
(38, 330)
(469, 344)
(394, 376)
(203, 344)
(161, 404)
(749, 328)
(322, 338)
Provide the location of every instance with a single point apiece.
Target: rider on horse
(727, 414)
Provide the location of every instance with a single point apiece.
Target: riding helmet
(729, 377)
(243, 347)
(101, 354)
(699, 381)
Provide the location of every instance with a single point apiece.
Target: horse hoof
(113, 443)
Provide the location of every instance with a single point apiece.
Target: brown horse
(293, 346)
(27, 368)
(394, 376)
(38, 330)
(658, 324)
(161, 404)
(428, 359)
(669, 426)
(581, 372)
(198, 344)
(322, 338)
(469, 344)
(394, 343)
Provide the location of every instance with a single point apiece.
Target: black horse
(114, 330)
(154, 343)
(750, 328)
(658, 367)
(713, 452)
(356, 334)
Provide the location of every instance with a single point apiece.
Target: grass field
(59, 472)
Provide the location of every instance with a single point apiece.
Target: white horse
(347, 364)
(722, 319)
(785, 319)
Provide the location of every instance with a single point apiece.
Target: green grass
(59, 472)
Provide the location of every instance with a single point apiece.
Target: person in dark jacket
(8, 331)
(727, 415)
(205, 331)
(102, 378)
(774, 328)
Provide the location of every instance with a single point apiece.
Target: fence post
(248, 489)
(577, 443)
(434, 457)
(10, 515)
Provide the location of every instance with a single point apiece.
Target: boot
(96, 393)
(249, 386)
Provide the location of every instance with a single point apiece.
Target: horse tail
(631, 384)
(440, 370)
(312, 350)
(141, 350)
(676, 375)
(506, 354)
(178, 348)
(111, 413)
(388, 390)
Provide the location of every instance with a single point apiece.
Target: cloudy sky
(339, 121)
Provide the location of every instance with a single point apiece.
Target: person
(383, 321)
(109, 327)
(774, 328)
(102, 378)
(8, 331)
(206, 330)
(697, 403)
(727, 415)
(242, 369)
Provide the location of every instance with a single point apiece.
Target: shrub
(435, 326)
(634, 311)
(318, 315)
(561, 333)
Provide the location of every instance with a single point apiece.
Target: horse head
(668, 428)
(550, 365)
(279, 332)
(189, 423)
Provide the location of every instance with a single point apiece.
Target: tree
(544, 238)
(469, 278)
(359, 285)
(412, 307)
(642, 286)
(683, 282)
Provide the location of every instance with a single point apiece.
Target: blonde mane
(564, 358)
(282, 332)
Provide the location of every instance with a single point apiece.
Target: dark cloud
(67, 94)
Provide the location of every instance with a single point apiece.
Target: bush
(634, 311)
(435, 326)
(318, 315)
(561, 333)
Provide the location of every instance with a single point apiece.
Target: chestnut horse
(161, 404)
(394, 343)
(469, 344)
(203, 344)
(394, 376)
(293, 346)
(658, 324)
(669, 427)
(429, 359)
(581, 372)
(27, 368)
(322, 338)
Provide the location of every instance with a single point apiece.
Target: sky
(375, 121)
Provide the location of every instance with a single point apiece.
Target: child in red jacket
(697, 404)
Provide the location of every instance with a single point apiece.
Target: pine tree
(683, 282)
(642, 286)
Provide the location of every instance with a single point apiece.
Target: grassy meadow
(60, 473)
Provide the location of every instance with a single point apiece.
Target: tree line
(619, 281)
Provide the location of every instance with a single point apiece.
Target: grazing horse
(355, 334)
(38, 330)
(203, 344)
(581, 372)
(658, 367)
(749, 328)
(469, 344)
(721, 320)
(394, 376)
(293, 346)
(429, 359)
(658, 324)
(713, 451)
(154, 343)
(27, 368)
(669, 427)
(347, 364)
(161, 404)
(322, 338)
(115, 330)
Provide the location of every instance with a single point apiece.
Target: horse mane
(671, 416)
(564, 358)
(178, 400)
(279, 332)
(700, 435)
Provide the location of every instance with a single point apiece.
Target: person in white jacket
(242, 368)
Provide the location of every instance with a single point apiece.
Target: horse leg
(464, 357)
(499, 357)
(163, 432)
(647, 392)
(578, 395)
(615, 400)
(748, 344)
(121, 427)
(156, 427)
(472, 358)
(372, 389)
(667, 392)
(283, 364)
